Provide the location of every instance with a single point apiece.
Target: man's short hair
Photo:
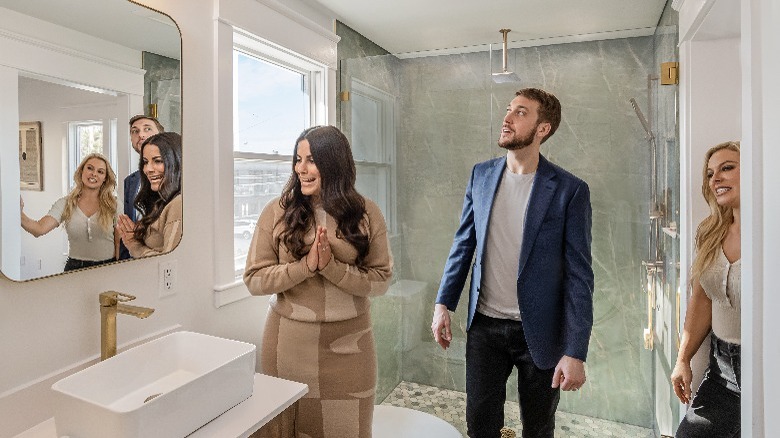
(549, 107)
(154, 119)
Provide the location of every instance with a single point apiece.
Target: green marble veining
(449, 113)
(162, 86)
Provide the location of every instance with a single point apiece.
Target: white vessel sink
(166, 388)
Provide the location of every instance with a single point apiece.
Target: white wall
(10, 239)
(48, 326)
(761, 217)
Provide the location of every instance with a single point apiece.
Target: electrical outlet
(167, 278)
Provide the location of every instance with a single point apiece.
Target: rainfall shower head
(648, 132)
(505, 76)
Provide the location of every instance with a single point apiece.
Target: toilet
(397, 422)
(410, 296)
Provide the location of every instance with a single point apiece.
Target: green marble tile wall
(162, 86)
(449, 113)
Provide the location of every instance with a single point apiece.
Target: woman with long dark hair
(321, 250)
(715, 306)
(159, 199)
(88, 214)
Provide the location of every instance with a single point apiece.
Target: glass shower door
(668, 291)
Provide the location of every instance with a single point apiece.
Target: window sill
(230, 293)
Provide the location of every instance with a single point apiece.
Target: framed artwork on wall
(30, 157)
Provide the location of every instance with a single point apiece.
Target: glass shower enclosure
(419, 124)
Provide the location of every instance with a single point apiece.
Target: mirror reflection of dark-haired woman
(159, 199)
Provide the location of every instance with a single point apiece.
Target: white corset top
(721, 283)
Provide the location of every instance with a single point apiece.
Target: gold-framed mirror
(72, 76)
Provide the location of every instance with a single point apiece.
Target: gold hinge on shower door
(670, 73)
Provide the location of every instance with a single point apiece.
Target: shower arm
(504, 32)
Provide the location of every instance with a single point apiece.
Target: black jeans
(72, 264)
(493, 348)
(715, 411)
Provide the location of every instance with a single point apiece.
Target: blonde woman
(88, 214)
(714, 305)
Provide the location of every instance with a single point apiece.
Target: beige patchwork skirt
(338, 362)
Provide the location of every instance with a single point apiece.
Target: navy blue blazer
(554, 277)
(132, 183)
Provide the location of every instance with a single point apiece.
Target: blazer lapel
(541, 195)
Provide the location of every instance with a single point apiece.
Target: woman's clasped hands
(126, 228)
(319, 255)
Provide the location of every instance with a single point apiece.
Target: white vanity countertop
(270, 397)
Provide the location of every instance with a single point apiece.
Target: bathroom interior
(627, 130)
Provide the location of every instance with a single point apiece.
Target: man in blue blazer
(526, 227)
(141, 128)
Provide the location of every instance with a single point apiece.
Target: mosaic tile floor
(451, 406)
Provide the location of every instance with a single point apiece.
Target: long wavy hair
(333, 158)
(712, 230)
(149, 202)
(106, 196)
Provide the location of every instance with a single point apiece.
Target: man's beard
(519, 143)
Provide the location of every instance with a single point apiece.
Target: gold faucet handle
(111, 298)
(122, 298)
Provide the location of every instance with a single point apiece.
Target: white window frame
(387, 149)
(74, 150)
(227, 288)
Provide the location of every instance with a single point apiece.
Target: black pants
(72, 264)
(715, 410)
(493, 348)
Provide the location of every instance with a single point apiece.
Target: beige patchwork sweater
(339, 291)
(163, 235)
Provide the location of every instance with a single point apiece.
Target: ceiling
(420, 27)
(118, 21)
(406, 28)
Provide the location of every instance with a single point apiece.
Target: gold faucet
(109, 307)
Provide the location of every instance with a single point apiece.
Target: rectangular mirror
(72, 76)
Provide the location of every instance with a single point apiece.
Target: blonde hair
(106, 196)
(712, 230)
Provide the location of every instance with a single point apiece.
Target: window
(275, 97)
(373, 146)
(88, 137)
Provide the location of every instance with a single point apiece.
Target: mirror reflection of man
(141, 128)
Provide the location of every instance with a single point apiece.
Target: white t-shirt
(498, 295)
(87, 239)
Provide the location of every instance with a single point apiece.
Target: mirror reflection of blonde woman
(714, 306)
(88, 214)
